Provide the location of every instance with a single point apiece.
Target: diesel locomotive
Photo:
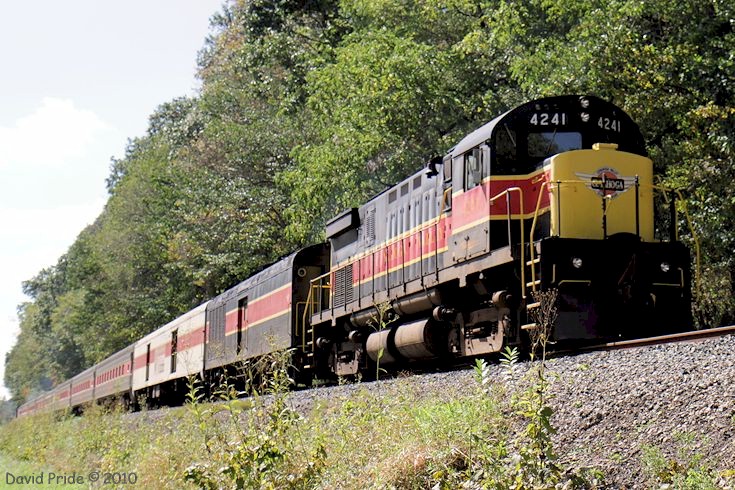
(557, 193)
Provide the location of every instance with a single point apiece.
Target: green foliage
(267, 451)
(687, 470)
(397, 90)
(26, 368)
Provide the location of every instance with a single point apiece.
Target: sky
(78, 79)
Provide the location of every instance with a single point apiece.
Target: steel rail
(660, 339)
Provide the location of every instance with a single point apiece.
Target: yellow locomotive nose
(600, 192)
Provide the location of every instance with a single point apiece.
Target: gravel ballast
(679, 398)
(609, 407)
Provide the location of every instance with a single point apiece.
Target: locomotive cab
(583, 210)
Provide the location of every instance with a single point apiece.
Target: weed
(509, 359)
(482, 375)
(269, 450)
(380, 321)
(685, 471)
(401, 436)
(528, 460)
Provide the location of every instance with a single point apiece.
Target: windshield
(542, 145)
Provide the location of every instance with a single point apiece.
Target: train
(556, 194)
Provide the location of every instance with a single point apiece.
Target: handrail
(309, 311)
(695, 237)
(433, 222)
(320, 278)
(303, 318)
(385, 246)
(551, 185)
(533, 229)
(311, 300)
(698, 269)
(547, 186)
(507, 192)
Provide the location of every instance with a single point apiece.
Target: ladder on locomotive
(312, 305)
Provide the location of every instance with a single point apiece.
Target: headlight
(665, 267)
(577, 263)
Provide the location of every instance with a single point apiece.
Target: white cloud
(49, 223)
(39, 238)
(55, 133)
(53, 163)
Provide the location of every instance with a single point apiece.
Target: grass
(101, 441)
(12, 469)
(399, 438)
(685, 469)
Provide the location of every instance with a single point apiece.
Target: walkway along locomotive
(557, 193)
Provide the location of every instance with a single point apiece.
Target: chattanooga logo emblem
(607, 182)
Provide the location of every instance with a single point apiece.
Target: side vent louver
(370, 227)
(343, 290)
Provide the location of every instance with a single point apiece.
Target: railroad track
(417, 371)
(691, 336)
(662, 339)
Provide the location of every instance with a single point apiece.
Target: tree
(672, 67)
(401, 88)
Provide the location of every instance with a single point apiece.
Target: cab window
(473, 169)
(506, 155)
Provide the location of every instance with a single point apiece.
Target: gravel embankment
(608, 406)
